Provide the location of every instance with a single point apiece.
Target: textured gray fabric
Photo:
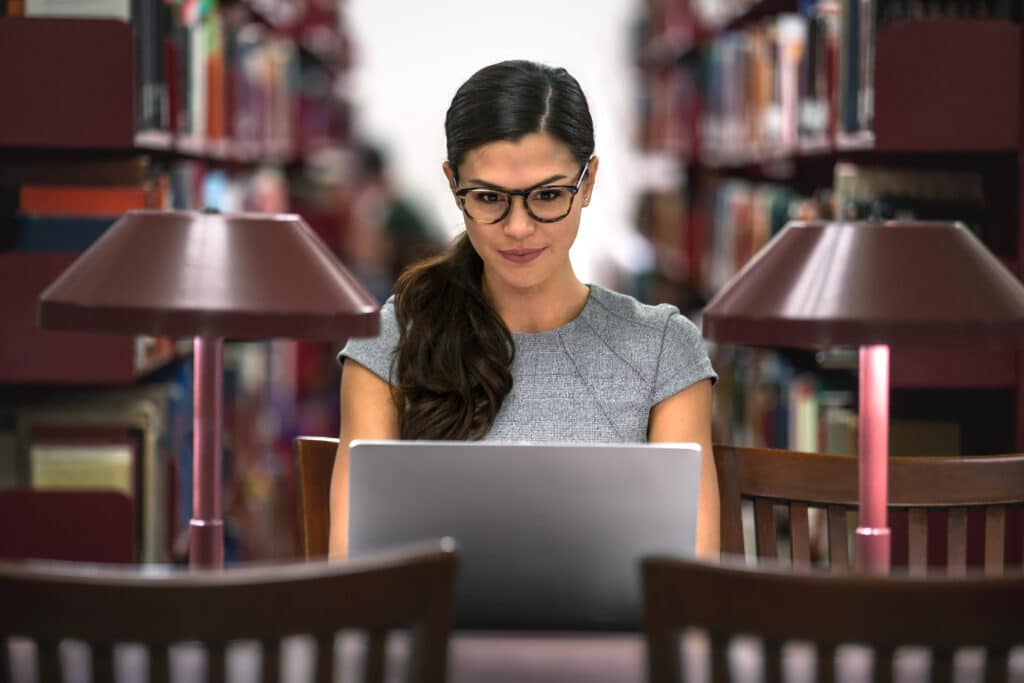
(595, 379)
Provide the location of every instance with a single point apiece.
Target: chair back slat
(662, 659)
(730, 501)
(882, 664)
(159, 663)
(719, 658)
(103, 662)
(917, 541)
(996, 666)
(324, 670)
(838, 539)
(942, 665)
(376, 652)
(315, 464)
(995, 539)
(411, 587)
(764, 528)
(216, 662)
(5, 662)
(772, 661)
(270, 660)
(956, 541)
(48, 660)
(799, 535)
(825, 663)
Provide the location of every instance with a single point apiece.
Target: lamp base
(873, 546)
(206, 543)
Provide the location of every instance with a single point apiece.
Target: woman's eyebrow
(492, 186)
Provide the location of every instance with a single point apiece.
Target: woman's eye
(548, 194)
(488, 197)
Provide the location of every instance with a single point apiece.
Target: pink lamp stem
(873, 463)
(206, 530)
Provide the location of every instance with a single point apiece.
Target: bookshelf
(760, 117)
(186, 105)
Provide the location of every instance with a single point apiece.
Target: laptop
(548, 536)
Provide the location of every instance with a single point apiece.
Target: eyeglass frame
(460, 194)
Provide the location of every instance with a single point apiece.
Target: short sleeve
(375, 352)
(683, 361)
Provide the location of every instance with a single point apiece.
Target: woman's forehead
(532, 159)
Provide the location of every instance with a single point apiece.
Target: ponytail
(452, 364)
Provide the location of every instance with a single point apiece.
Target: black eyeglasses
(544, 203)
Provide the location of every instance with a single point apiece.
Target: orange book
(66, 200)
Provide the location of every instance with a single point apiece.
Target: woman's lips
(520, 255)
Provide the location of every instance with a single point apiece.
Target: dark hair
(453, 361)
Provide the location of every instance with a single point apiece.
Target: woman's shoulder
(615, 310)
(375, 352)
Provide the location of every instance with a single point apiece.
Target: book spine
(849, 66)
(60, 200)
(36, 233)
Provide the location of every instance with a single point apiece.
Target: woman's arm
(686, 416)
(367, 412)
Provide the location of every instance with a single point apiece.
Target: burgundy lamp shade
(818, 285)
(187, 274)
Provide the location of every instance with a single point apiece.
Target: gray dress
(595, 379)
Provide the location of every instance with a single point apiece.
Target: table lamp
(870, 285)
(209, 276)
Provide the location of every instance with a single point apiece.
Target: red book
(65, 200)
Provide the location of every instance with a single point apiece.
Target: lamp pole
(206, 530)
(873, 462)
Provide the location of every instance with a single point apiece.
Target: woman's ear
(588, 183)
(450, 175)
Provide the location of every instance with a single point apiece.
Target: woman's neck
(538, 309)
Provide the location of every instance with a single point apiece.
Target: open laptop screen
(549, 536)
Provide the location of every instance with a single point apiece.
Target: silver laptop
(549, 536)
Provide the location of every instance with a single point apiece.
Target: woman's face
(519, 252)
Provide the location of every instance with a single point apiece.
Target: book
(8, 448)
(881, 193)
(109, 170)
(65, 200)
(83, 466)
(29, 354)
(95, 9)
(59, 233)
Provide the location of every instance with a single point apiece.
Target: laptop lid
(549, 536)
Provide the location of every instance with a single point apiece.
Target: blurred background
(717, 121)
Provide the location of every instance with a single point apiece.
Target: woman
(497, 338)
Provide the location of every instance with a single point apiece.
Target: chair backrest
(992, 485)
(315, 463)
(827, 610)
(102, 606)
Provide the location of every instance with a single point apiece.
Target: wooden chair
(827, 610)
(315, 462)
(769, 477)
(103, 606)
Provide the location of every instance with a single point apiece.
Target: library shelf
(65, 84)
(31, 355)
(947, 84)
(78, 93)
(757, 11)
